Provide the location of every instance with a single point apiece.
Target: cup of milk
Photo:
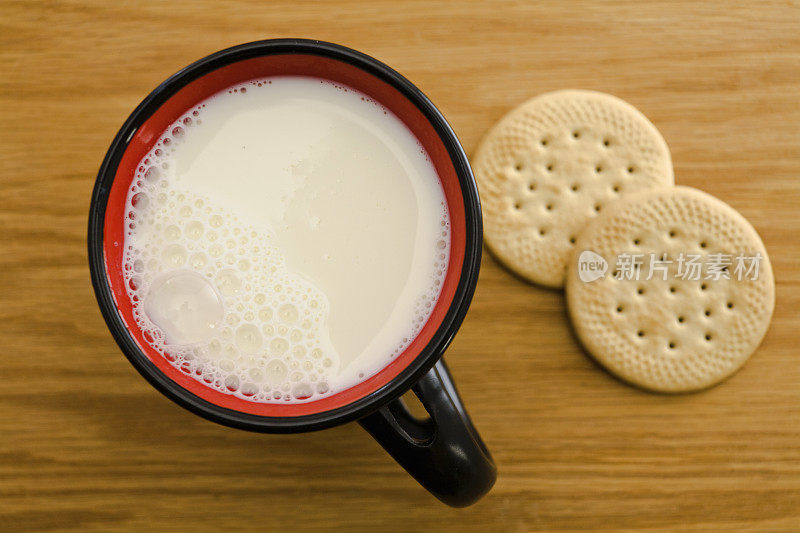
(285, 236)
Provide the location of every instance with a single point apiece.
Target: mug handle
(444, 452)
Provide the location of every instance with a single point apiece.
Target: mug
(444, 452)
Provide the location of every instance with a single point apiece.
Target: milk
(288, 238)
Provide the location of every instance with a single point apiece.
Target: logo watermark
(591, 266)
(634, 267)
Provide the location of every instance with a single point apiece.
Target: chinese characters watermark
(714, 267)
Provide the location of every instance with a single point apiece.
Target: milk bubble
(275, 372)
(174, 255)
(248, 338)
(288, 313)
(278, 346)
(256, 375)
(198, 261)
(302, 390)
(232, 382)
(228, 282)
(140, 201)
(152, 174)
(184, 306)
(172, 232)
(214, 348)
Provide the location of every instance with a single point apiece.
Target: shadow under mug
(444, 452)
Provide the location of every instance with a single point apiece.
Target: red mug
(443, 452)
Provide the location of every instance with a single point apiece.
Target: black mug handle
(444, 452)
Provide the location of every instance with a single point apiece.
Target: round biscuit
(671, 333)
(551, 165)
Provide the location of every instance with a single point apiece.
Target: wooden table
(87, 445)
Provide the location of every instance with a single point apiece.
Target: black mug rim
(376, 399)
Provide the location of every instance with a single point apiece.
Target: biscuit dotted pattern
(671, 335)
(553, 164)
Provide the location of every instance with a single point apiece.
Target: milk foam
(287, 238)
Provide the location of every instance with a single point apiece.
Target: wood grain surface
(87, 445)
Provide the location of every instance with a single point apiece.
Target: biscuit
(679, 330)
(551, 165)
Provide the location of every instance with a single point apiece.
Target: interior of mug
(295, 64)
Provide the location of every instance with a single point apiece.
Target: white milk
(288, 237)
